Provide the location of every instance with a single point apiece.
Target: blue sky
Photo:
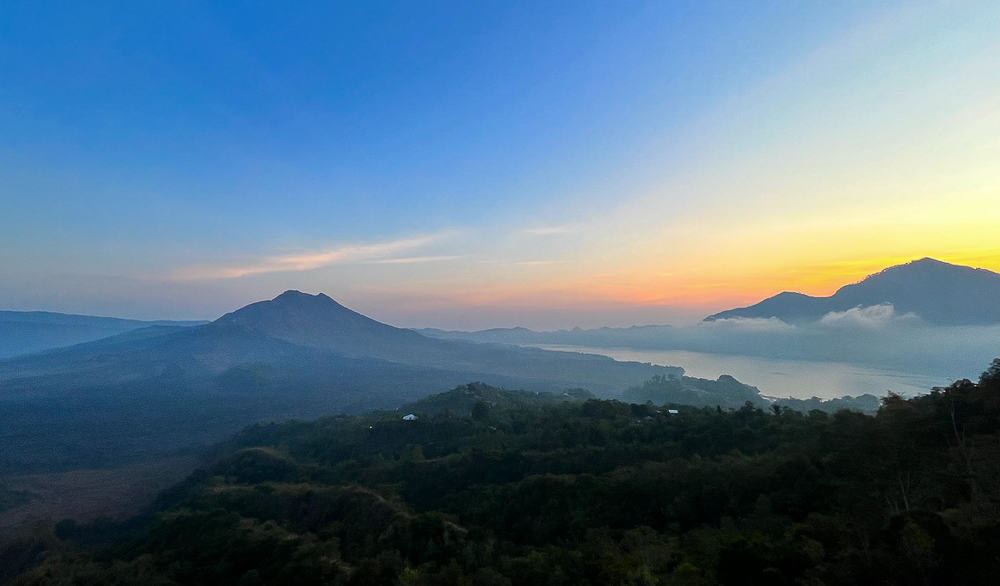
(456, 164)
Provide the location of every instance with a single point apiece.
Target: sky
(484, 164)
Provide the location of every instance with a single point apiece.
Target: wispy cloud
(416, 259)
(873, 316)
(530, 263)
(552, 230)
(527, 262)
(383, 252)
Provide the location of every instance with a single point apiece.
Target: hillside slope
(23, 332)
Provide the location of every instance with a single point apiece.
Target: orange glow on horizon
(699, 288)
(754, 285)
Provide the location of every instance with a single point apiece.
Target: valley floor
(88, 494)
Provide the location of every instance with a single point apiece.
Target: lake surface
(800, 379)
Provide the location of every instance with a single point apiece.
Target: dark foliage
(578, 492)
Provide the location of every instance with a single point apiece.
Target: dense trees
(489, 488)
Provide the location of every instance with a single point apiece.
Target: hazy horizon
(433, 316)
(442, 317)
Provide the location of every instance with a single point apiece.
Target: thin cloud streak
(552, 230)
(416, 259)
(530, 263)
(348, 253)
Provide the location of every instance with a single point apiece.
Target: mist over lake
(870, 350)
(775, 377)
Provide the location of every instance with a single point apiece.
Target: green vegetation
(491, 487)
(728, 393)
(473, 398)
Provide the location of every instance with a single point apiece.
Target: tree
(480, 411)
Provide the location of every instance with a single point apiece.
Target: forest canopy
(484, 487)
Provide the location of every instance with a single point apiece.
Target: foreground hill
(22, 332)
(473, 398)
(937, 292)
(531, 488)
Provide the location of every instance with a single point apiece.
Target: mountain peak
(939, 292)
(922, 272)
(318, 321)
(292, 294)
(925, 262)
(294, 308)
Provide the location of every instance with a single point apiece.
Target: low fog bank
(875, 336)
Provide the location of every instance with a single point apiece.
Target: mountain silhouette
(937, 292)
(302, 327)
(320, 322)
(161, 389)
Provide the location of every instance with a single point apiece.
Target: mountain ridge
(25, 332)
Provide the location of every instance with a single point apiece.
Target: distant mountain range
(22, 332)
(162, 388)
(960, 307)
(634, 336)
(937, 292)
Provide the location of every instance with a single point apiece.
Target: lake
(800, 379)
